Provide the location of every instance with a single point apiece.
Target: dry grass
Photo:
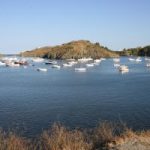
(106, 136)
(12, 142)
(60, 138)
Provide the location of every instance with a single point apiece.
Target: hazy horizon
(28, 24)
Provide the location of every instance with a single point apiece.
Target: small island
(72, 50)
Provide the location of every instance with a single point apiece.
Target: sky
(117, 24)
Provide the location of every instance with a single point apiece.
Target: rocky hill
(74, 49)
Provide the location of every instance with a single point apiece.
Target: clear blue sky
(117, 24)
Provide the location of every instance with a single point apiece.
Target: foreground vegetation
(106, 136)
(74, 49)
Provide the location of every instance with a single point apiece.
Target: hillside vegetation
(139, 51)
(74, 49)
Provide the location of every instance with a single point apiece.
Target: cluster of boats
(147, 62)
(76, 64)
(89, 62)
(18, 61)
(121, 68)
(138, 59)
(124, 68)
(13, 62)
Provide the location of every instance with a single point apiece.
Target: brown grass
(106, 136)
(60, 138)
(12, 142)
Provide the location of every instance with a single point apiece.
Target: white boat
(123, 68)
(67, 65)
(83, 60)
(116, 60)
(147, 58)
(148, 65)
(90, 65)
(2, 64)
(131, 59)
(56, 66)
(73, 62)
(80, 69)
(42, 69)
(9, 59)
(138, 59)
(116, 65)
(51, 63)
(97, 60)
(37, 60)
(12, 64)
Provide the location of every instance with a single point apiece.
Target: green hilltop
(74, 49)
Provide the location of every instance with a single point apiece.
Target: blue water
(31, 101)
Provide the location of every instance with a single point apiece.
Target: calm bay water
(31, 101)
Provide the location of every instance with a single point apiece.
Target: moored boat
(148, 65)
(97, 60)
(67, 65)
(116, 60)
(123, 68)
(56, 66)
(138, 59)
(131, 59)
(83, 60)
(2, 64)
(116, 65)
(90, 65)
(12, 64)
(42, 69)
(80, 69)
(51, 63)
(37, 60)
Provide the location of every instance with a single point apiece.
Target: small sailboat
(116, 65)
(138, 59)
(12, 64)
(148, 65)
(67, 65)
(37, 60)
(72, 62)
(103, 58)
(116, 60)
(51, 63)
(2, 64)
(80, 69)
(123, 68)
(83, 60)
(147, 59)
(90, 65)
(42, 69)
(56, 66)
(97, 60)
(131, 59)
